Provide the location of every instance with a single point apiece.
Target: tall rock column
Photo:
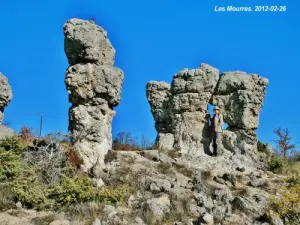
(179, 109)
(240, 97)
(5, 95)
(94, 88)
(159, 98)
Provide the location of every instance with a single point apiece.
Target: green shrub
(72, 191)
(276, 164)
(80, 189)
(30, 192)
(21, 180)
(13, 143)
(263, 148)
(10, 165)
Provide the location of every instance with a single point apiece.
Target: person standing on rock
(217, 129)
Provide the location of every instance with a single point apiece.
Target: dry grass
(292, 168)
(85, 213)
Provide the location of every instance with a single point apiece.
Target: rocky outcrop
(179, 109)
(94, 88)
(5, 95)
(192, 189)
(240, 97)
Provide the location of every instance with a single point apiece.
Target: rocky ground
(171, 189)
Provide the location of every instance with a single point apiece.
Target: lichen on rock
(94, 88)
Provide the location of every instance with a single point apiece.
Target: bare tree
(126, 138)
(284, 142)
(125, 141)
(145, 143)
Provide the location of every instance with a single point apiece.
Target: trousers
(217, 143)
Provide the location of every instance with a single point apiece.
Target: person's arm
(221, 120)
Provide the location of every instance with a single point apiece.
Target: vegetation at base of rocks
(285, 158)
(287, 202)
(288, 166)
(27, 134)
(14, 143)
(262, 147)
(276, 164)
(125, 141)
(80, 189)
(86, 211)
(43, 178)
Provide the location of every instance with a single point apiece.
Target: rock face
(5, 95)
(179, 109)
(94, 88)
(200, 189)
(240, 97)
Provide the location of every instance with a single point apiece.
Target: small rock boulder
(208, 219)
(157, 209)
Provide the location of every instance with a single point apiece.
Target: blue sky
(153, 40)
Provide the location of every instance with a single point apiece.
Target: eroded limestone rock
(5, 95)
(179, 109)
(85, 42)
(240, 97)
(94, 88)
